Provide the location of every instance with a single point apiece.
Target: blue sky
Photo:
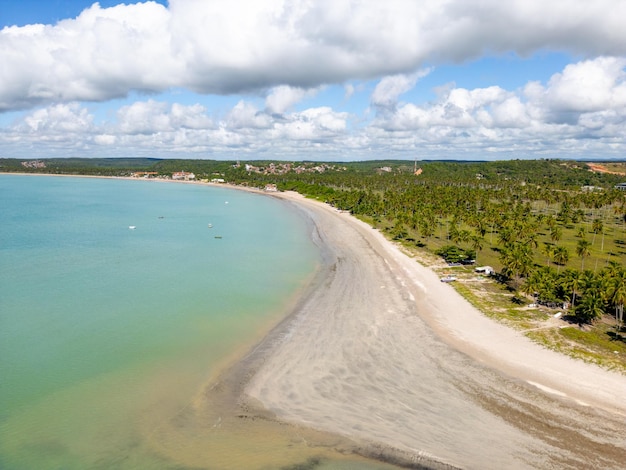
(324, 80)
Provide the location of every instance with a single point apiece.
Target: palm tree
(532, 238)
(555, 233)
(453, 232)
(572, 281)
(617, 295)
(561, 255)
(464, 236)
(611, 269)
(548, 250)
(517, 260)
(596, 227)
(477, 243)
(582, 250)
(532, 284)
(506, 236)
(546, 283)
(427, 228)
(592, 306)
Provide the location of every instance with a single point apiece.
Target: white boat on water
(210, 225)
(132, 227)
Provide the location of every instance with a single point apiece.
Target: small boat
(132, 227)
(218, 236)
(448, 279)
(210, 225)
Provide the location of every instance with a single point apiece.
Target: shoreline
(488, 341)
(378, 351)
(349, 365)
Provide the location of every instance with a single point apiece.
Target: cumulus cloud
(101, 54)
(246, 116)
(389, 89)
(249, 45)
(159, 128)
(581, 109)
(587, 86)
(538, 119)
(283, 97)
(148, 117)
(61, 118)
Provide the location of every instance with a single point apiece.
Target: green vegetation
(454, 254)
(554, 231)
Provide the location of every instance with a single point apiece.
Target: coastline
(397, 364)
(383, 353)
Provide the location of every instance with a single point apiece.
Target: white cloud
(148, 117)
(283, 97)
(580, 110)
(510, 112)
(323, 121)
(538, 119)
(246, 115)
(144, 117)
(389, 89)
(105, 139)
(189, 117)
(101, 54)
(245, 45)
(61, 118)
(589, 86)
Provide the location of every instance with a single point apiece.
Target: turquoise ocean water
(106, 332)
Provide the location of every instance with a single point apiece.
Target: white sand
(383, 352)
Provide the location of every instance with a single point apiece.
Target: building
(487, 270)
(34, 164)
(183, 175)
(590, 189)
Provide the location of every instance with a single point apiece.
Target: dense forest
(553, 230)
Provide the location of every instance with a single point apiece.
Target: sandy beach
(383, 353)
(401, 368)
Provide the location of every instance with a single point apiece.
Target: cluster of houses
(145, 174)
(178, 175)
(387, 169)
(183, 176)
(283, 168)
(33, 164)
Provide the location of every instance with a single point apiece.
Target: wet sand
(381, 352)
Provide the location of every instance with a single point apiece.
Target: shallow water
(109, 335)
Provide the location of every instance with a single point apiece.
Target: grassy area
(610, 245)
(597, 344)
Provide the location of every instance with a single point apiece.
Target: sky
(321, 80)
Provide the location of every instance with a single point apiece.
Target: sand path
(382, 352)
